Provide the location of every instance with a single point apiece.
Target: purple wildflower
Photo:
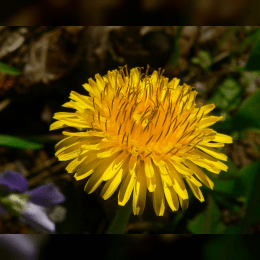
(40, 198)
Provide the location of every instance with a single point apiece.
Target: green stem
(121, 219)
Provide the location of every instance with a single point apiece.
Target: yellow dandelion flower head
(143, 133)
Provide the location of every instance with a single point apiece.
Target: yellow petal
(100, 82)
(171, 197)
(177, 94)
(193, 180)
(95, 89)
(199, 174)
(158, 161)
(174, 83)
(203, 156)
(158, 196)
(112, 184)
(92, 134)
(154, 77)
(96, 178)
(108, 152)
(213, 144)
(163, 173)
(221, 166)
(126, 189)
(160, 164)
(75, 122)
(76, 162)
(140, 189)
(57, 125)
(148, 167)
(213, 152)
(177, 181)
(84, 172)
(116, 161)
(69, 153)
(135, 76)
(151, 183)
(77, 106)
(83, 100)
(86, 165)
(87, 87)
(166, 178)
(176, 158)
(60, 115)
(66, 143)
(196, 191)
(107, 144)
(90, 147)
(184, 203)
(132, 162)
(209, 121)
(207, 108)
(68, 105)
(181, 168)
(209, 165)
(223, 138)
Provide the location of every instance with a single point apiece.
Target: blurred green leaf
(121, 219)
(249, 77)
(226, 183)
(43, 139)
(6, 69)
(195, 60)
(253, 62)
(248, 116)
(207, 222)
(225, 126)
(233, 188)
(232, 170)
(11, 141)
(226, 94)
(251, 38)
(251, 177)
(248, 175)
(234, 207)
(204, 59)
(195, 225)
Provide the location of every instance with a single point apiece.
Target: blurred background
(100, 12)
(40, 65)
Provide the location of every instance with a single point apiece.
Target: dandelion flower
(143, 133)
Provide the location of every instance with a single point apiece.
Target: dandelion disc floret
(141, 133)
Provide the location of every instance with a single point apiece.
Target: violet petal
(46, 195)
(19, 246)
(36, 217)
(14, 181)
